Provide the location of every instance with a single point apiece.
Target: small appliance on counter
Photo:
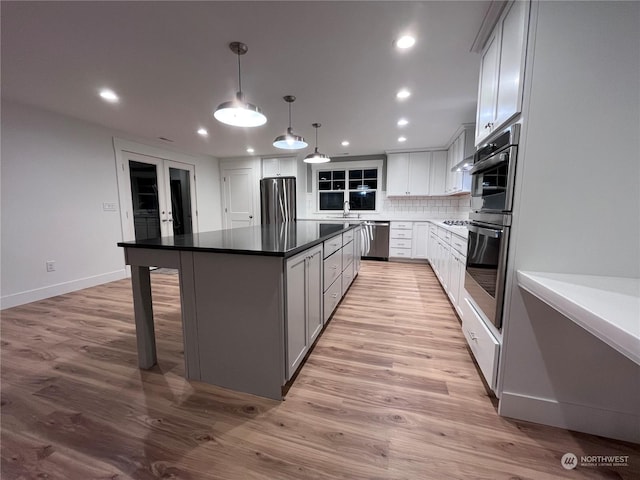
(278, 200)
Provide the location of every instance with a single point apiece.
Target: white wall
(56, 173)
(576, 211)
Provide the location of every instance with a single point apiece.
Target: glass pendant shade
(290, 141)
(316, 156)
(238, 112)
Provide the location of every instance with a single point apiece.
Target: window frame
(346, 166)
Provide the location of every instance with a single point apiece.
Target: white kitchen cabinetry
(332, 274)
(348, 254)
(357, 252)
(457, 265)
(420, 240)
(401, 240)
(432, 245)
(447, 254)
(437, 180)
(279, 167)
(501, 71)
(483, 344)
(304, 318)
(408, 174)
(459, 181)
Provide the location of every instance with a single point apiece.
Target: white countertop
(607, 307)
(461, 231)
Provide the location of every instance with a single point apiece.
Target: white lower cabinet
(332, 297)
(304, 317)
(316, 280)
(409, 240)
(332, 281)
(332, 268)
(348, 272)
(447, 254)
(347, 277)
(485, 347)
(420, 240)
(357, 250)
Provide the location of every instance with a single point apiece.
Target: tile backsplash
(453, 207)
(408, 208)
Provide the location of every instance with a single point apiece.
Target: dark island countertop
(279, 240)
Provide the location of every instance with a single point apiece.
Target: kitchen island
(235, 300)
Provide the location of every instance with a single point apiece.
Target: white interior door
(238, 197)
(160, 201)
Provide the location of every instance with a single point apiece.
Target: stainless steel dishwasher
(375, 240)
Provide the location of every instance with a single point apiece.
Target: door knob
(250, 216)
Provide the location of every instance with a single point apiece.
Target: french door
(161, 200)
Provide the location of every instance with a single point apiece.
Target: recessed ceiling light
(203, 132)
(402, 139)
(109, 95)
(345, 143)
(402, 94)
(402, 122)
(406, 41)
(250, 150)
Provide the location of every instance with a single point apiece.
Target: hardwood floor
(389, 392)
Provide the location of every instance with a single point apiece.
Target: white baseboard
(581, 418)
(29, 296)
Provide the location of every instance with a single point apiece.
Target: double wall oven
(492, 183)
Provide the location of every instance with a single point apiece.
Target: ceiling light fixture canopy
(290, 141)
(238, 112)
(317, 157)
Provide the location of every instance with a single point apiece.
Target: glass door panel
(162, 196)
(145, 199)
(181, 212)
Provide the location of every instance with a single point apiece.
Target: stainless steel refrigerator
(278, 199)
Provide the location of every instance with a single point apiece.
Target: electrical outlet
(51, 265)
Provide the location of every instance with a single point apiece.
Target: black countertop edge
(233, 251)
(263, 253)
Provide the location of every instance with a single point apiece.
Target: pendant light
(317, 157)
(289, 141)
(237, 112)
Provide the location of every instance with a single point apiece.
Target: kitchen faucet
(345, 209)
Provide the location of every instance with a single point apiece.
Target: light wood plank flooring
(389, 392)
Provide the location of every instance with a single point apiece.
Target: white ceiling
(171, 65)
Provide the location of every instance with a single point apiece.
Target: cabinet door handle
(473, 336)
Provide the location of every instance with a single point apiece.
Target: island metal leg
(143, 311)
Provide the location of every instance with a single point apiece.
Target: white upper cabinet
(408, 174)
(279, 167)
(419, 172)
(502, 71)
(488, 88)
(439, 161)
(461, 148)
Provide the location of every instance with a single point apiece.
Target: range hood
(464, 165)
